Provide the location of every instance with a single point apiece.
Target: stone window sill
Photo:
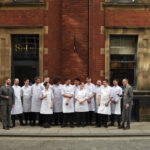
(23, 4)
(112, 4)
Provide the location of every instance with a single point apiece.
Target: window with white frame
(123, 58)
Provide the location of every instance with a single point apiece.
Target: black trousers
(81, 118)
(96, 119)
(114, 117)
(27, 117)
(46, 119)
(58, 118)
(14, 117)
(89, 117)
(35, 116)
(102, 119)
(68, 117)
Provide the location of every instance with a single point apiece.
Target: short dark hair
(36, 78)
(45, 84)
(82, 82)
(77, 79)
(26, 79)
(116, 80)
(56, 80)
(67, 78)
(106, 80)
(6, 78)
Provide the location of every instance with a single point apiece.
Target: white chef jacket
(68, 89)
(105, 94)
(46, 102)
(97, 91)
(116, 108)
(17, 109)
(36, 93)
(76, 88)
(91, 90)
(26, 94)
(81, 94)
(57, 98)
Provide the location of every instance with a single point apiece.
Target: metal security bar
(25, 47)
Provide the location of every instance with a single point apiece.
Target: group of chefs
(80, 104)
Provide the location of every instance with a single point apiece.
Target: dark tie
(7, 90)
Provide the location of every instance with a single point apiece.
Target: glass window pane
(123, 57)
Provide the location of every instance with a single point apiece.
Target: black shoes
(6, 128)
(111, 125)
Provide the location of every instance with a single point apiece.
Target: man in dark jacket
(7, 100)
(127, 104)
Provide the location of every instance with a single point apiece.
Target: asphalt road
(132, 143)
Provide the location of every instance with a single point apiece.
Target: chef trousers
(117, 117)
(27, 117)
(81, 118)
(18, 116)
(68, 117)
(34, 116)
(89, 117)
(102, 119)
(58, 118)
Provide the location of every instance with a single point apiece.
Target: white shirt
(57, 98)
(17, 109)
(97, 91)
(105, 94)
(68, 89)
(26, 94)
(46, 102)
(91, 90)
(36, 93)
(81, 95)
(116, 108)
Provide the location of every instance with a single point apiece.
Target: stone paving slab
(137, 129)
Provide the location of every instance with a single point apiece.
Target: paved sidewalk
(137, 129)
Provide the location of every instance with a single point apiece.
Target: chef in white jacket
(47, 105)
(36, 103)
(90, 87)
(26, 97)
(97, 91)
(81, 105)
(76, 86)
(116, 103)
(104, 103)
(17, 110)
(57, 88)
(68, 103)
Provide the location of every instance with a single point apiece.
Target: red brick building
(78, 38)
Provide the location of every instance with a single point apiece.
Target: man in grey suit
(7, 100)
(127, 104)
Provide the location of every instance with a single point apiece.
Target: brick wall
(74, 23)
(132, 18)
(97, 57)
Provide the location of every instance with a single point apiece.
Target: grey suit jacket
(128, 95)
(4, 91)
